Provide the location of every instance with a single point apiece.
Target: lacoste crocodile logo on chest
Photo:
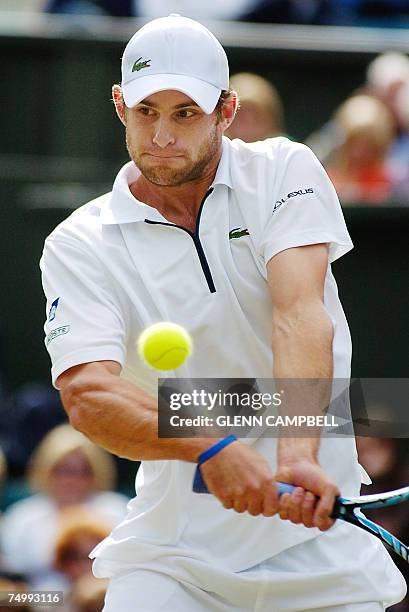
(237, 232)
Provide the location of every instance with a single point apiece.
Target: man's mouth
(163, 155)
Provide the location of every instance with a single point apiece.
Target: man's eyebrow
(177, 106)
(184, 104)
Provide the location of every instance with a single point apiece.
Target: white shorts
(331, 573)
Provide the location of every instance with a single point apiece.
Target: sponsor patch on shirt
(59, 331)
(54, 306)
(292, 194)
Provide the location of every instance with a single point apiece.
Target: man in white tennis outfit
(235, 242)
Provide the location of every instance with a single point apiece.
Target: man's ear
(235, 102)
(229, 110)
(119, 102)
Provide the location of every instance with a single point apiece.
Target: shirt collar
(223, 175)
(122, 207)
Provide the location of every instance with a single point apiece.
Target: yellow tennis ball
(165, 345)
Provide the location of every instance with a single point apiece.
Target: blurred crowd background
(331, 73)
(310, 12)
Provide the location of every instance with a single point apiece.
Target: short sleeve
(84, 319)
(305, 208)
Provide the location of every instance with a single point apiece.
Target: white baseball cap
(178, 53)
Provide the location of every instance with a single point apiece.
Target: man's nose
(162, 135)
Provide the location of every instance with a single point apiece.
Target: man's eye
(144, 110)
(186, 114)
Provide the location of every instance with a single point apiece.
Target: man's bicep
(297, 275)
(95, 368)
(84, 378)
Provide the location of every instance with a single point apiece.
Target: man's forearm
(123, 419)
(303, 364)
(302, 343)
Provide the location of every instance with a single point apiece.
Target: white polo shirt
(117, 265)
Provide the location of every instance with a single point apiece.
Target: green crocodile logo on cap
(138, 65)
(238, 233)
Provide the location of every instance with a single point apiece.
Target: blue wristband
(213, 450)
(199, 485)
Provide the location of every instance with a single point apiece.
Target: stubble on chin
(167, 176)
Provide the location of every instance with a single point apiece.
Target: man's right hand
(242, 480)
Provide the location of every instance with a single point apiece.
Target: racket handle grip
(199, 485)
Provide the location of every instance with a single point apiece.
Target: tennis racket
(348, 509)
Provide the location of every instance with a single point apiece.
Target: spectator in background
(398, 155)
(65, 470)
(385, 76)
(388, 80)
(260, 113)
(357, 167)
(78, 531)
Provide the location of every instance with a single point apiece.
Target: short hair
(224, 98)
(58, 444)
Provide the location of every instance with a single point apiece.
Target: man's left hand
(313, 500)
